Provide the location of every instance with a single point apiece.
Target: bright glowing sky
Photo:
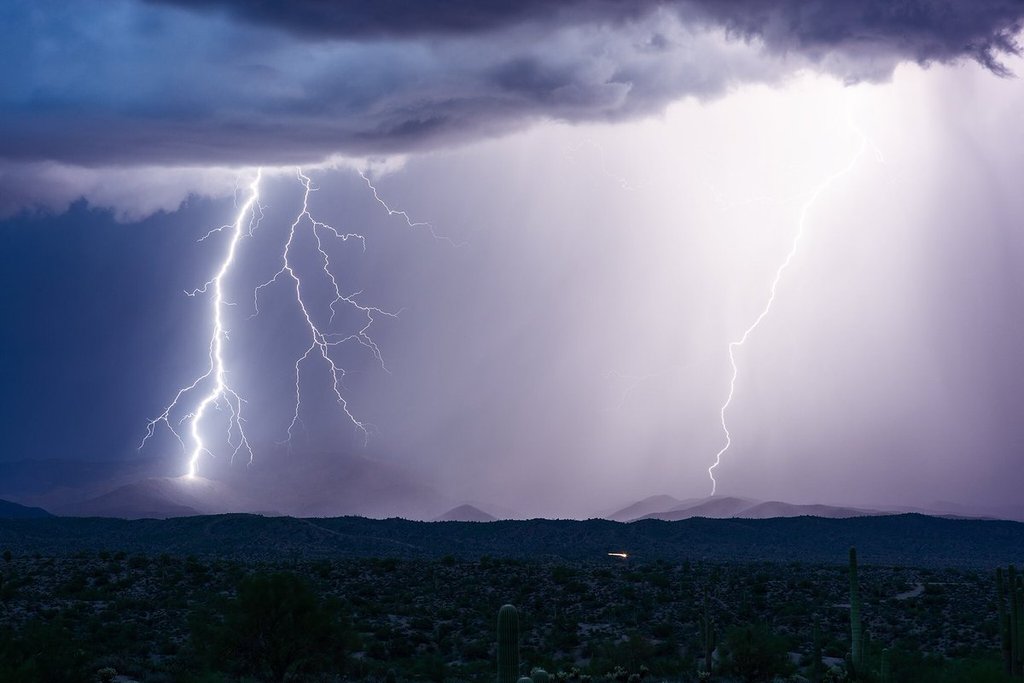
(572, 353)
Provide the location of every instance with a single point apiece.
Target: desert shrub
(276, 629)
(755, 653)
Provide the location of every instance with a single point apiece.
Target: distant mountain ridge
(312, 485)
(466, 513)
(152, 498)
(328, 484)
(729, 507)
(773, 508)
(670, 509)
(644, 507)
(9, 510)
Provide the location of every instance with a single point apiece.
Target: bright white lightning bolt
(321, 341)
(801, 224)
(221, 390)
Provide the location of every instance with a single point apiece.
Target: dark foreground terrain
(249, 598)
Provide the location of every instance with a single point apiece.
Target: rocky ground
(435, 619)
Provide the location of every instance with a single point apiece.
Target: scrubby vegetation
(95, 615)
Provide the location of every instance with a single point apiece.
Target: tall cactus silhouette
(1011, 619)
(1015, 615)
(1017, 627)
(508, 644)
(1017, 646)
(885, 674)
(817, 674)
(707, 627)
(856, 646)
(1004, 622)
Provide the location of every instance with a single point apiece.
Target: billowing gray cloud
(201, 82)
(918, 30)
(915, 29)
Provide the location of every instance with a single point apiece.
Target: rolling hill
(744, 508)
(647, 506)
(466, 513)
(9, 510)
(315, 485)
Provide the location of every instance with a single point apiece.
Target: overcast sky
(610, 190)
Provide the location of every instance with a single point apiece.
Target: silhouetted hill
(466, 513)
(29, 477)
(715, 507)
(726, 507)
(332, 484)
(907, 540)
(644, 507)
(775, 508)
(669, 509)
(9, 510)
(53, 483)
(156, 498)
(308, 485)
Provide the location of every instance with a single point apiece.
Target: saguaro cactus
(856, 652)
(1011, 619)
(885, 674)
(707, 627)
(1017, 630)
(539, 676)
(816, 666)
(508, 645)
(1004, 622)
(1015, 653)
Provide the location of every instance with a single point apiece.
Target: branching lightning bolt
(408, 221)
(794, 246)
(321, 342)
(221, 394)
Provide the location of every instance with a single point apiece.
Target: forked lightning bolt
(221, 391)
(801, 224)
(321, 340)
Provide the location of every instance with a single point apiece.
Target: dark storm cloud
(199, 82)
(921, 30)
(409, 18)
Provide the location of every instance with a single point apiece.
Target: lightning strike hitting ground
(321, 340)
(221, 392)
(801, 224)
